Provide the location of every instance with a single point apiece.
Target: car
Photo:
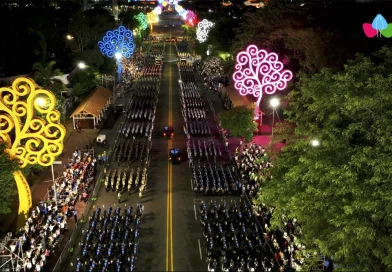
(168, 132)
(175, 155)
(173, 39)
(167, 39)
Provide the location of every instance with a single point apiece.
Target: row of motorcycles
(214, 179)
(119, 180)
(111, 241)
(234, 240)
(129, 150)
(208, 149)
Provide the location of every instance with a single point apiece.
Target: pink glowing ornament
(257, 72)
(191, 18)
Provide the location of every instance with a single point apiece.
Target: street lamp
(54, 182)
(82, 65)
(315, 143)
(117, 55)
(69, 37)
(274, 102)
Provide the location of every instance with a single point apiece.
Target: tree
(239, 122)
(339, 191)
(7, 183)
(222, 43)
(82, 82)
(78, 27)
(44, 73)
(284, 28)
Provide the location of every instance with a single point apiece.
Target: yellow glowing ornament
(30, 139)
(152, 18)
(164, 3)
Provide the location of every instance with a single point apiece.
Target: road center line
(201, 257)
(194, 208)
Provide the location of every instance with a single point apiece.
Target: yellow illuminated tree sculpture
(152, 18)
(30, 126)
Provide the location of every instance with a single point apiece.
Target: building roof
(94, 103)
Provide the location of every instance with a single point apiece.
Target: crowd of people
(254, 168)
(111, 240)
(42, 232)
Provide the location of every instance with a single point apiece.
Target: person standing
(119, 197)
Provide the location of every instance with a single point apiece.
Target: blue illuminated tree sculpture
(117, 44)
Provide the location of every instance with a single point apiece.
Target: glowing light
(152, 18)
(315, 143)
(164, 3)
(202, 30)
(157, 10)
(274, 102)
(82, 65)
(142, 19)
(117, 55)
(117, 41)
(258, 72)
(160, 1)
(69, 37)
(34, 140)
(178, 8)
(40, 101)
(191, 18)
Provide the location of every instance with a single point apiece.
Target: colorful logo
(378, 27)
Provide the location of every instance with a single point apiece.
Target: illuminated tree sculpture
(142, 19)
(30, 139)
(190, 18)
(118, 44)
(152, 18)
(257, 72)
(202, 30)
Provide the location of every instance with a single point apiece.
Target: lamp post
(274, 102)
(54, 182)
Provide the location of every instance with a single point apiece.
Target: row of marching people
(157, 50)
(121, 180)
(111, 240)
(131, 150)
(152, 70)
(234, 240)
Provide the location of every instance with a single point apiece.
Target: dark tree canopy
(340, 191)
(239, 122)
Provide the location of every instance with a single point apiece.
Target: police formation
(111, 241)
(141, 111)
(233, 239)
(212, 179)
(193, 109)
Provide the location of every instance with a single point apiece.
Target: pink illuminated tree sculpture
(191, 18)
(257, 72)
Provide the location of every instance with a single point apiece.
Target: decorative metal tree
(257, 72)
(30, 139)
(202, 30)
(152, 18)
(118, 44)
(190, 18)
(142, 19)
